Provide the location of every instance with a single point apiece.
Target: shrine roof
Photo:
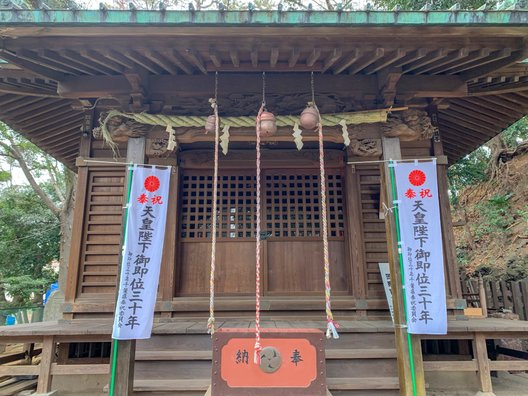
(189, 18)
(470, 64)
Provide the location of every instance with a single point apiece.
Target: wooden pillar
(391, 150)
(74, 256)
(126, 350)
(169, 257)
(354, 235)
(48, 353)
(448, 236)
(481, 355)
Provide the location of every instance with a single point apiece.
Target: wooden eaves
(57, 63)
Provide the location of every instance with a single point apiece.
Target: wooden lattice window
(293, 204)
(290, 206)
(236, 206)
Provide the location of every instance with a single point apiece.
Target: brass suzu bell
(309, 117)
(268, 125)
(210, 124)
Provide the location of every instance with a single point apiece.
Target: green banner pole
(402, 272)
(115, 343)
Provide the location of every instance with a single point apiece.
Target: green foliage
(468, 171)
(415, 5)
(496, 216)
(29, 241)
(516, 133)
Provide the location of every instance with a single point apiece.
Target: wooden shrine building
(408, 85)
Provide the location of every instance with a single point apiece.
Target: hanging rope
(258, 347)
(331, 325)
(214, 217)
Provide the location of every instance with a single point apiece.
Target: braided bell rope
(211, 320)
(258, 347)
(331, 327)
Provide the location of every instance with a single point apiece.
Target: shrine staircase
(178, 361)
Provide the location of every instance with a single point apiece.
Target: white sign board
(421, 244)
(386, 278)
(142, 251)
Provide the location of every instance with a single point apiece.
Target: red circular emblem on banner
(152, 183)
(417, 178)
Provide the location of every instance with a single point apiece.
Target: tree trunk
(497, 146)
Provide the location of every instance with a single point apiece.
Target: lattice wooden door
(292, 262)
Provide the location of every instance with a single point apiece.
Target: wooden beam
(314, 55)
(334, 56)
(454, 56)
(274, 56)
(480, 110)
(367, 60)
(118, 58)
(198, 85)
(521, 86)
(195, 58)
(294, 57)
(174, 56)
(215, 56)
(385, 62)
(142, 61)
(31, 66)
(387, 80)
(430, 58)
(409, 58)
(468, 114)
(84, 61)
(254, 55)
(160, 60)
(391, 150)
(69, 63)
(497, 61)
(233, 54)
(11, 89)
(472, 57)
(99, 59)
(348, 61)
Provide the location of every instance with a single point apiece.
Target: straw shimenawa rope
(360, 117)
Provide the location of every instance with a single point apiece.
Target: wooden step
(203, 384)
(372, 353)
(174, 355)
(171, 385)
(364, 383)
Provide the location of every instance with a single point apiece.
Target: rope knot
(331, 329)
(211, 325)
(256, 356)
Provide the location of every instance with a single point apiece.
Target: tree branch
(13, 150)
(52, 171)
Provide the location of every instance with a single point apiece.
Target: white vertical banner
(421, 246)
(142, 252)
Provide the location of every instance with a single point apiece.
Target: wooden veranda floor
(103, 327)
(365, 347)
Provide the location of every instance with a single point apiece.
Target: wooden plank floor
(99, 327)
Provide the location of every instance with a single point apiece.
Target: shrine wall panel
(101, 233)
